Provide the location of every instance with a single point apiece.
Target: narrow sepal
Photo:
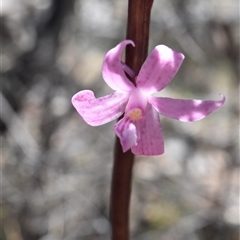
(185, 110)
(98, 111)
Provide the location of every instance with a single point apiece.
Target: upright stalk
(137, 30)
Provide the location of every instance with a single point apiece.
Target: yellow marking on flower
(135, 114)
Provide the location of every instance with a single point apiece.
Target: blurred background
(56, 169)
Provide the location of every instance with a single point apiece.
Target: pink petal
(150, 134)
(126, 131)
(159, 69)
(185, 110)
(128, 70)
(98, 111)
(112, 70)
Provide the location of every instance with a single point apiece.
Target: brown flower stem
(139, 12)
(137, 30)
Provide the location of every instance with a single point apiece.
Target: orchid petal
(128, 70)
(126, 131)
(98, 111)
(112, 70)
(150, 136)
(159, 69)
(185, 110)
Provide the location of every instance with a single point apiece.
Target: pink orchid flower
(140, 128)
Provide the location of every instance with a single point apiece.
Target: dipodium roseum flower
(140, 128)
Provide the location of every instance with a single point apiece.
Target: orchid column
(138, 31)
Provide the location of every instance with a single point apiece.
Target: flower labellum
(140, 128)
